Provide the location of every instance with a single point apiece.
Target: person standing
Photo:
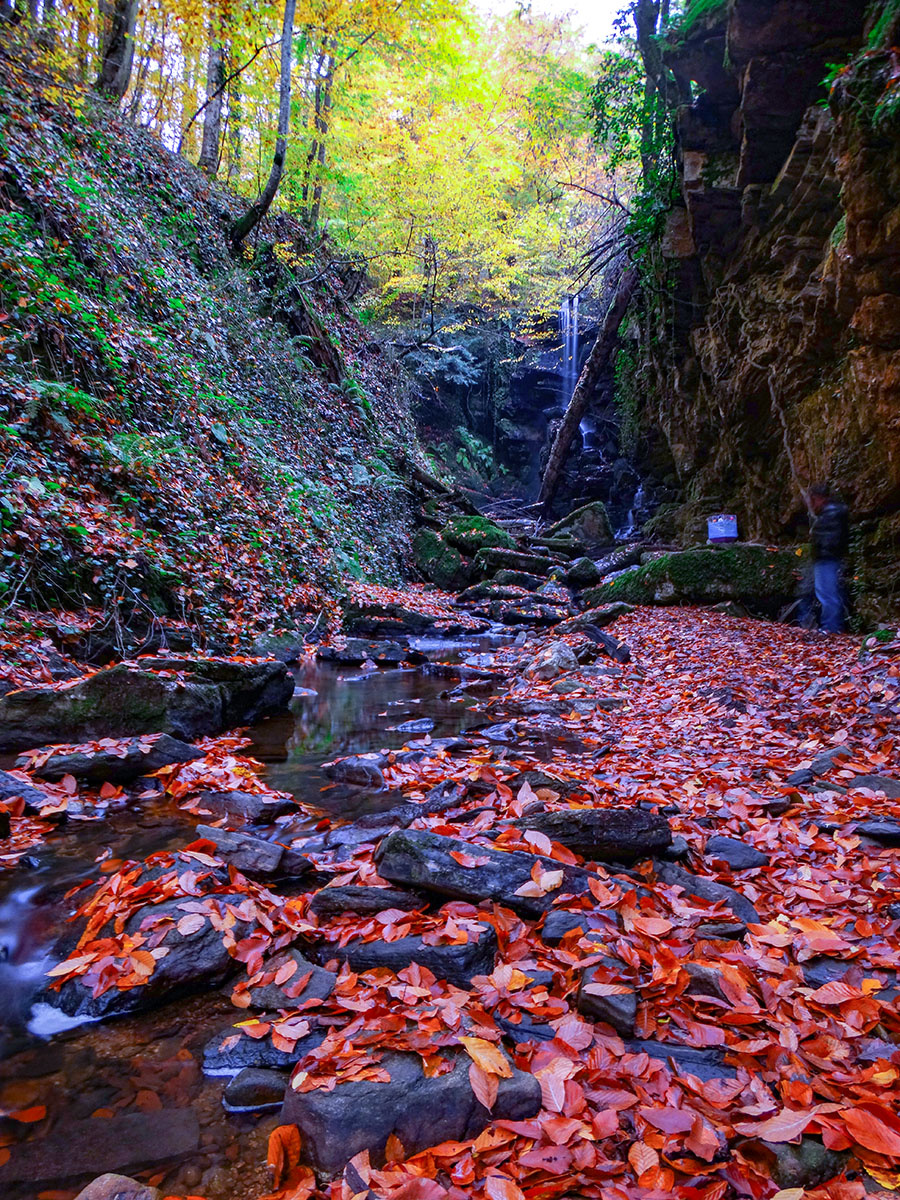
(830, 537)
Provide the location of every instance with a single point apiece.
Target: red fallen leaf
(4, 1157)
(485, 1085)
(69, 784)
(501, 1187)
(554, 1159)
(874, 1127)
(28, 1116)
(283, 1152)
(835, 992)
(642, 1158)
(469, 860)
(786, 1126)
(108, 790)
(191, 923)
(394, 1151)
(606, 989)
(668, 1120)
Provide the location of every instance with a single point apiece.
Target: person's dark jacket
(831, 532)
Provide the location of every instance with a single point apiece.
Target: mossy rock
(760, 578)
(492, 559)
(470, 534)
(439, 562)
(588, 524)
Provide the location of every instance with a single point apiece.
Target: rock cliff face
(774, 358)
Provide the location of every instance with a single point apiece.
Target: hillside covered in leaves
(186, 437)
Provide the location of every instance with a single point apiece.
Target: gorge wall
(770, 345)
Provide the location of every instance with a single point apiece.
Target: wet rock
(286, 647)
(118, 1187)
(251, 855)
(824, 969)
(457, 964)
(417, 858)
(332, 901)
(707, 889)
(440, 562)
(230, 1051)
(588, 524)
(419, 1111)
(878, 783)
(121, 1143)
(471, 534)
(555, 659)
(885, 830)
(255, 1089)
(618, 1010)
(422, 725)
(678, 850)
(805, 1165)
(357, 650)
(722, 930)
(490, 560)
(600, 617)
(828, 760)
(122, 764)
(519, 579)
(195, 961)
(704, 1063)
(250, 806)
(608, 644)
(520, 1033)
(559, 922)
(705, 980)
(374, 619)
(191, 698)
(13, 788)
(529, 612)
(582, 574)
(505, 731)
(309, 982)
(603, 834)
(739, 855)
(362, 769)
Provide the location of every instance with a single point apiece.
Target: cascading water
(568, 327)
(634, 515)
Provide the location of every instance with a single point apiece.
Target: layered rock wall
(774, 358)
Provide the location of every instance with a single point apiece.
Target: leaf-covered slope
(180, 434)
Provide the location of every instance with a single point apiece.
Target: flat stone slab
(13, 788)
(419, 1111)
(289, 995)
(618, 1009)
(739, 855)
(231, 1051)
(704, 1063)
(332, 901)
(184, 697)
(251, 855)
(707, 889)
(417, 858)
(122, 1143)
(251, 806)
(881, 829)
(603, 834)
(457, 964)
(114, 764)
(255, 1089)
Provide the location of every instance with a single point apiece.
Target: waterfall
(568, 327)
(634, 514)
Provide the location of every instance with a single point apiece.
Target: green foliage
(694, 12)
(474, 454)
(470, 534)
(629, 391)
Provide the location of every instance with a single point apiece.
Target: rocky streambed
(519, 897)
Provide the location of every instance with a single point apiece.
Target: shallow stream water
(151, 1062)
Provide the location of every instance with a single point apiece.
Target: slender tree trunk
(235, 146)
(587, 381)
(212, 118)
(118, 47)
(258, 210)
(323, 121)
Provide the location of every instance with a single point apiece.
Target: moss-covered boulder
(440, 562)
(470, 534)
(760, 578)
(492, 559)
(589, 525)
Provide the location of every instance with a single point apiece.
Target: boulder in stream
(458, 964)
(603, 834)
(420, 1111)
(707, 889)
(118, 1187)
(119, 763)
(351, 897)
(184, 697)
(589, 524)
(14, 788)
(420, 859)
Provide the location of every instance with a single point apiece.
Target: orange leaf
(500, 1187)
(284, 1151)
(488, 1056)
(485, 1086)
(29, 1115)
(874, 1127)
(642, 1158)
(786, 1126)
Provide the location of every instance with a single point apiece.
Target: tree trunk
(235, 147)
(587, 381)
(212, 118)
(118, 47)
(323, 121)
(257, 211)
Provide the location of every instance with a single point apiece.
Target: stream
(152, 1061)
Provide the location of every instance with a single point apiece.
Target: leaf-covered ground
(716, 714)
